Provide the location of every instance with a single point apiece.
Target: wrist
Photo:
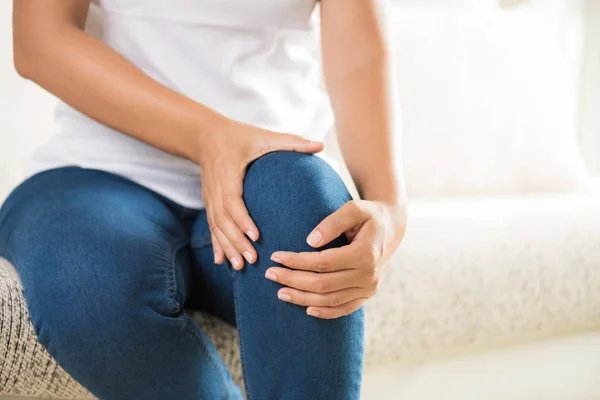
(205, 132)
(395, 216)
(390, 195)
(386, 187)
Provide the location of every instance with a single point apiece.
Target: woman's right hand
(223, 159)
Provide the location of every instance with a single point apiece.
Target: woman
(114, 238)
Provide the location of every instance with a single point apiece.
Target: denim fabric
(109, 268)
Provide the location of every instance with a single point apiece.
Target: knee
(289, 193)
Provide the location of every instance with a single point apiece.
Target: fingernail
(248, 256)
(312, 313)
(235, 262)
(314, 238)
(275, 258)
(271, 275)
(284, 296)
(252, 235)
(216, 259)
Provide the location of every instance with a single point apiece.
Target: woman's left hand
(337, 281)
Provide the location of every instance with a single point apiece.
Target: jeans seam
(175, 306)
(195, 337)
(240, 336)
(171, 279)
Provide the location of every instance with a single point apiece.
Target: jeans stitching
(172, 289)
(171, 279)
(240, 336)
(215, 365)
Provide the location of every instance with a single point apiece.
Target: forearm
(99, 82)
(367, 132)
(357, 75)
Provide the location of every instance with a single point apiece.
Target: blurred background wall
(490, 93)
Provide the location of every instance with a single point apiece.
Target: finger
(345, 218)
(217, 250)
(234, 257)
(336, 312)
(235, 207)
(314, 282)
(219, 254)
(329, 260)
(224, 244)
(332, 299)
(235, 237)
(288, 142)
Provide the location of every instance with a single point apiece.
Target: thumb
(288, 142)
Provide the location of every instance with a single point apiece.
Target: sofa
(495, 292)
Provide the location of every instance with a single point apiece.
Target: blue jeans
(109, 268)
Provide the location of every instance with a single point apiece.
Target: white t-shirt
(253, 61)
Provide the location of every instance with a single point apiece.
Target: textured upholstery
(471, 274)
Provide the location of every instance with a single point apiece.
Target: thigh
(102, 271)
(287, 354)
(88, 230)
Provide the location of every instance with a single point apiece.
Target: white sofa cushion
(477, 273)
